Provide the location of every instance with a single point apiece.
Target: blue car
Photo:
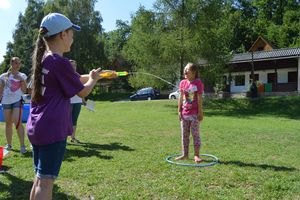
(148, 93)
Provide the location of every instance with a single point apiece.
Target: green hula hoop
(215, 161)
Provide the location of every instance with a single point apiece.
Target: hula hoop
(215, 161)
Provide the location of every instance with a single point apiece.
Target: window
(239, 80)
(142, 91)
(292, 77)
(260, 48)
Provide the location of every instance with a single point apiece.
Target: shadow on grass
(92, 149)
(28, 154)
(19, 189)
(262, 166)
(288, 107)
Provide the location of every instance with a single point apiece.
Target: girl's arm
(84, 78)
(91, 81)
(200, 109)
(108, 74)
(1, 89)
(180, 101)
(23, 86)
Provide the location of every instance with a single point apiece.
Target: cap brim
(76, 27)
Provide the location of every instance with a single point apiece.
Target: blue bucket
(26, 109)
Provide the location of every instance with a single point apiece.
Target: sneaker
(74, 140)
(23, 149)
(8, 147)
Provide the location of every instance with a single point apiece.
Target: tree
(24, 35)
(88, 48)
(277, 21)
(161, 41)
(286, 35)
(142, 48)
(114, 43)
(177, 32)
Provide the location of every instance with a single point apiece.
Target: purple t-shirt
(190, 91)
(50, 120)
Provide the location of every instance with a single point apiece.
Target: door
(272, 78)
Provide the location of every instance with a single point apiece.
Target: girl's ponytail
(37, 58)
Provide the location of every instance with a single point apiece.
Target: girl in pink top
(12, 87)
(190, 110)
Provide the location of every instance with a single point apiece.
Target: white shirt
(76, 99)
(12, 92)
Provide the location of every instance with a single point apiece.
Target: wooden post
(252, 67)
(276, 79)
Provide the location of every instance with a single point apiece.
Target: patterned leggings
(190, 124)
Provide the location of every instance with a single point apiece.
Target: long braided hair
(37, 57)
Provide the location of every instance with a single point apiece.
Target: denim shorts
(12, 105)
(47, 159)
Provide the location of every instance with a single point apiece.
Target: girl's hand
(94, 74)
(200, 116)
(180, 116)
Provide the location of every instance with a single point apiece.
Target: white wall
(282, 77)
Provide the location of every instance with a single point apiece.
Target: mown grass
(124, 146)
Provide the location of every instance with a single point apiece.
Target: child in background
(190, 110)
(54, 82)
(76, 103)
(12, 87)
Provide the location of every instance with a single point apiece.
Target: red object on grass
(1, 156)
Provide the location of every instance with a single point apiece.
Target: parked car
(145, 94)
(174, 95)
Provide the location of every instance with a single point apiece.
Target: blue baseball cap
(56, 23)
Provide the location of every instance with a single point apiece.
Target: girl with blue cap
(54, 82)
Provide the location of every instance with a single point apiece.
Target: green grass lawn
(124, 146)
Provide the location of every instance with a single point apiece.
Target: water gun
(109, 74)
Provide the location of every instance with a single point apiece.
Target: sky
(110, 10)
